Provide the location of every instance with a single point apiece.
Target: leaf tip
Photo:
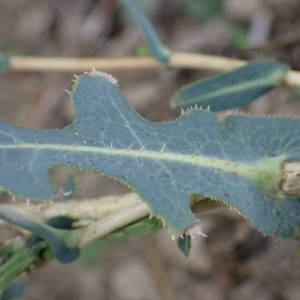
(107, 76)
(184, 244)
(93, 73)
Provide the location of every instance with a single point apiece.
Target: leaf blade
(166, 163)
(231, 89)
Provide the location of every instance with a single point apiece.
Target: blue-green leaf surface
(184, 244)
(231, 89)
(237, 161)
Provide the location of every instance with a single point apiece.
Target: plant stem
(113, 222)
(19, 262)
(92, 209)
(105, 214)
(204, 61)
(76, 64)
(177, 60)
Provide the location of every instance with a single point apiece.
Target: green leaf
(184, 244)
(231, 89)
(143, 50)
(90, 252)
(237, 161)
(239, 36)
(142, 226)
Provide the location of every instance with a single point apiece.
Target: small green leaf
(89, 253)
(143, 50)
(237, 161)
(239, 36)
(143, 226)
(184, 244)
(231, 89)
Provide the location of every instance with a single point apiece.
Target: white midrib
(267, 166)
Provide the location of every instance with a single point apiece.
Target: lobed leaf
(237, 161)
(231, 89)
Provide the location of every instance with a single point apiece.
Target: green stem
(158, 49)
(19, 263)
(62, 241)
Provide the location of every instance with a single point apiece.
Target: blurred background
(235, 261)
